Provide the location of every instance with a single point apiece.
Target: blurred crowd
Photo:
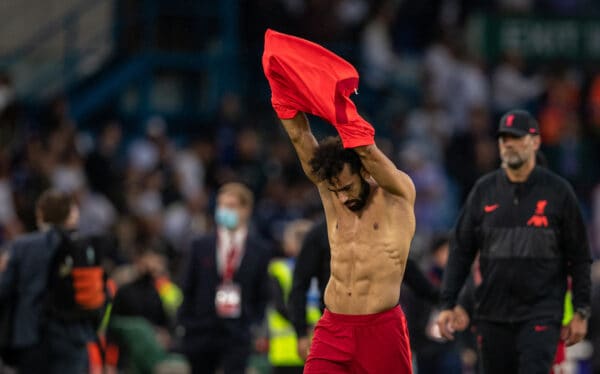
(433, 102)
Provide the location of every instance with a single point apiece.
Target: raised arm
(303, 140)
(385, 173)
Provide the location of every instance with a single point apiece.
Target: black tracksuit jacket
(530, 237)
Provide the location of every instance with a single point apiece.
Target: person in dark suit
(43, 340)
(225, 287)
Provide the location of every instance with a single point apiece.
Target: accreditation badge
(228, 300)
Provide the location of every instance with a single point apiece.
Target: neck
(239, 228)
(521, 174)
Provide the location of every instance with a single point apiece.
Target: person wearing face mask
(225, 287)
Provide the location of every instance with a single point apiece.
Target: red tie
(230, 263)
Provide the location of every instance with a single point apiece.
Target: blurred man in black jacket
(526, 225)
(43, 342)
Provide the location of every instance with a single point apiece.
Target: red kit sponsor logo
(509, 120)
(490, 208)
(540, 328)
(539, 219)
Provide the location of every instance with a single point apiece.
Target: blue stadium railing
(137, 67)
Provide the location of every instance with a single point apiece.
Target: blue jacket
(24, 283)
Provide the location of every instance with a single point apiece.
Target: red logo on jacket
(539, 219)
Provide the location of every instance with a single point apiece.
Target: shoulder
(484, 186)
(258, 243)
(487, 183)
(547, 176)
(555, 183)
(34, 239)
(489, 180)
(201, 241)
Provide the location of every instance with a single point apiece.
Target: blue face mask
(227, 218)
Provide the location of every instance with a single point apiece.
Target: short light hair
(241, 190)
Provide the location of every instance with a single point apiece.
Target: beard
(359, 203)
(513, 160)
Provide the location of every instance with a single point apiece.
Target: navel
(376, 226)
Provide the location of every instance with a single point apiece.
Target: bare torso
(368, 252)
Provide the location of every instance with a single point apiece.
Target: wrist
(583, 312)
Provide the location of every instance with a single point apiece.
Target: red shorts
(372, 343)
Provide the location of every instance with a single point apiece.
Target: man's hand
(163, 337)
(446, 322)
(261, 344)
(461, 318)
(3, 261)
(575, 331)
(303, 347)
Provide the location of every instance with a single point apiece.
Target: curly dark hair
(330, 157)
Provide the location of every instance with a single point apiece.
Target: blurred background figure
(54, 288)
(142, 320)
(283, 345)
(225, 287)
(433, 354)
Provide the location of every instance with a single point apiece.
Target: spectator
(433, 204)
(184, 220)
(151, 296)
(511, 88)
(384, 69)
(429, 125)
(102, 166)
(471, 154)
(10, 225)
(10, 115)
(142, 297)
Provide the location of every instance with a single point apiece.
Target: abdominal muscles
(364, 279)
